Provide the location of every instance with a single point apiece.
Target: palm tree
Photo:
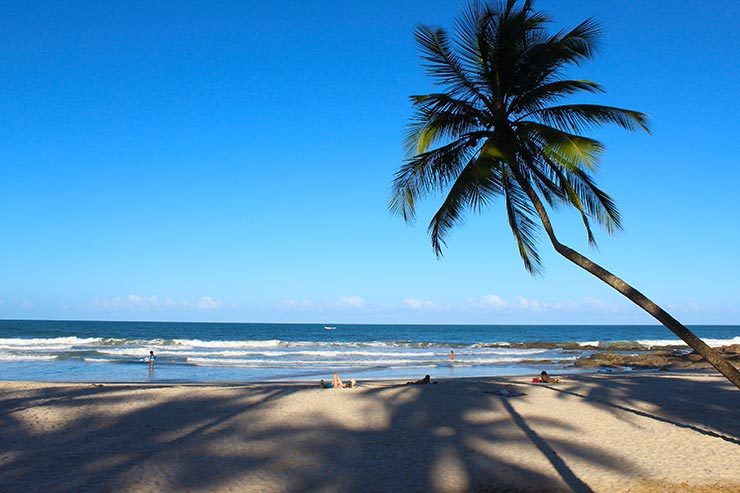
(495, 131)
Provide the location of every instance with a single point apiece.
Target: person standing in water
(452, 356)
(151, 359)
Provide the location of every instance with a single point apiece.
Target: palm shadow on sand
(445, 437)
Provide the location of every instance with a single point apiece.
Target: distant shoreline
(383, 324)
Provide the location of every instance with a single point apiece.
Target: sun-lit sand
(639, 432)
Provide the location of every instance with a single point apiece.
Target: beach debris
(504, 392)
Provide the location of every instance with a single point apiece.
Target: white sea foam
(54, 341)
(140, 351)
(227, 344)
(520, 351)
(45, 348)
(292, 355)
(238, 362)
(176, 351)
(722, 342)
(678, 342)
(26, 357)
(350, 353)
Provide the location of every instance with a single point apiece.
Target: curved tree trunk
(709, 354)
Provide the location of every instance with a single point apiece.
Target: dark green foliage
(501, 74)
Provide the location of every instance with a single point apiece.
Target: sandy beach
(637, 432)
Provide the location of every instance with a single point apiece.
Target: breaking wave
(278, 353)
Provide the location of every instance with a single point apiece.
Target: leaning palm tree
(495, 130)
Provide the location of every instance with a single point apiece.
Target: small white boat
(329, 327)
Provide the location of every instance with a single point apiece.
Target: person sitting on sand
(424, 381)
(545, 378)
(336, 383)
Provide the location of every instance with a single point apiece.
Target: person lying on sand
(336, 383)
(424, 381)
(545, 378)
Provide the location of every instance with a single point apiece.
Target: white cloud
(208, 303)
(156, 303)
(417, 304)
(22, 304)
(523, 304)
(694, 307)
(288, 303)
(596, 304)
(130, 302)
(529, 305)
(353, 301)
(488, 301)
(569, 305)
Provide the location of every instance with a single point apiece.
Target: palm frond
(580, 43)
(568, 150)
(435, 130)
(512, 33)
(575, 200)
(444, 66)
(577, 188)
(541, 175)
(597, 202)
(470, 31)
(539, 96)
(477, 184)
(428, 172)
(441, 102)
(543, 59)
(582, 117)
(439, 118)
(523, 227)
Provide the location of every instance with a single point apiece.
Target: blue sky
(177, 161)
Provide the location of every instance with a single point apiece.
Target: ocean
(87, 351)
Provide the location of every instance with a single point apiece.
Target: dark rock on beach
(536, 362)
(662, 358)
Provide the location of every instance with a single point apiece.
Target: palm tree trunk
(709, 354)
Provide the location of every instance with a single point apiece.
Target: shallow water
(117, 351)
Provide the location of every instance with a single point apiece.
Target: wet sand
(635, 432)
